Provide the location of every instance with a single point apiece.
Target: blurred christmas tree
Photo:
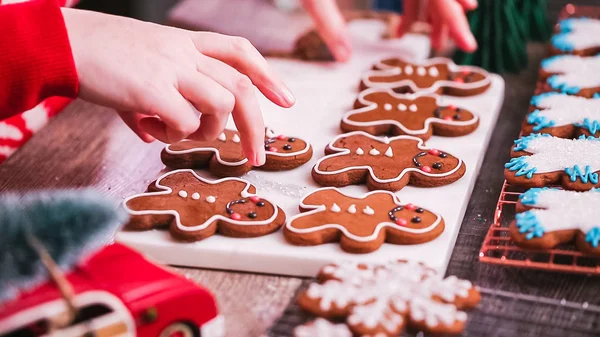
(502, 29)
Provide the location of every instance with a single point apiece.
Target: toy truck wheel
(178, 330)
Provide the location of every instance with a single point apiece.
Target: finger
(246, 112)
(211, 99)
(331, 26)
(177, 114)
(452, 14)
(439, 36)
(468, 5)
(241, 54)
(155, 127)
(132, 120)
(410, 14)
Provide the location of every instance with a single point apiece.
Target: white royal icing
(165, 190)
(408, 69)
(376, 314)
(321, 327)
(565, 109)
(387, 106)
(182, 194)
(222, 137)
(371, 106)
(270, 133)
(387, 70)
(421, 71)
(211, 199)
(551, 154)
(583, 34)
(575, 71)
(567, 210)
(374, 152)
(352, 210)
(389, 152)
(343, 152)
(360, 151)
(196, 196)
(335, 208)
(236, 138)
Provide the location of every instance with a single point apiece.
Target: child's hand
(447, 18)
(153, 75)
(331, 25)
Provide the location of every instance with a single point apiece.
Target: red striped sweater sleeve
(36, 61)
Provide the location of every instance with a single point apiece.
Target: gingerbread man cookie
(225, 157)
(361, 225)
(383, 299)
(578, 36)
(382, 111)
(385, 163)
(540, 160)
(437, 75)
(548, 217)
(563, 115)
(194, 208)
(570, 74)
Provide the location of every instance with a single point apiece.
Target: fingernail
(472, 42)
(286, 94)
(342, 50)
(260, 158)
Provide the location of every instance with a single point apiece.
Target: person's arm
(36, 60)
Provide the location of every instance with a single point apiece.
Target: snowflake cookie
(321, 327)
(381, 111)
(548, 217)
(194, 208)
(541, 160)
(361, 225)
(225, 157)
(579, 36)
(437, 75)
(563, 116)
(385, 163)
(571, 74)
(383, 299)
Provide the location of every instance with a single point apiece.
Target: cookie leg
(185, 234)
(547, 241)
(575, 183)
(220, 169)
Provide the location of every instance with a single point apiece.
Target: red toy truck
(118, 293)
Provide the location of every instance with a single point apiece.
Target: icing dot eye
(416, 219)
(252, 215)
(419, 210)
(437, 166)
(260, 204)
(287, 147)
(291, 139)
(443, 155)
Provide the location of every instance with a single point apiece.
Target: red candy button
(255, 198)
(434, 152)
(236, 216)
(410, 207)
(401, 222)
(459, 80)
(273, 149)
(426, 169)
(281, 137)
(448, 118)
(465, 72)
(452, 107)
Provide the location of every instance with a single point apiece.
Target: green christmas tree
(502, 29)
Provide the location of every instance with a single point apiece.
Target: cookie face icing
(385, 112)
(382, 299)
(563, 115)
(552, 216)
(540, 160)
(385, 163)
(224, 156)
(322, 327)
(365, 223)
(437, 75)
(577, 34)
(194, 208)
(572, 73)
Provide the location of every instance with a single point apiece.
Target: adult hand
(448, 20)
(155, 76)
(331, 26)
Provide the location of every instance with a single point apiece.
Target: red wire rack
(498, 248)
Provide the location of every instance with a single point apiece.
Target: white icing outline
(344, 151)
(387, 70)
(167, 190)
(370, 106)
(238, 163)
(320, 208)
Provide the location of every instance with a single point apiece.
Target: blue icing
(528, 223)
(547, 61)
(593, 237)
(596, 95)
(585, 176)
(521, 166)
(539, 121)
(566, 25)
(530, 197)
(537, 99)
(557, 84)
(523, 142)
(584, 137)
(591, 125)
(562, 42)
